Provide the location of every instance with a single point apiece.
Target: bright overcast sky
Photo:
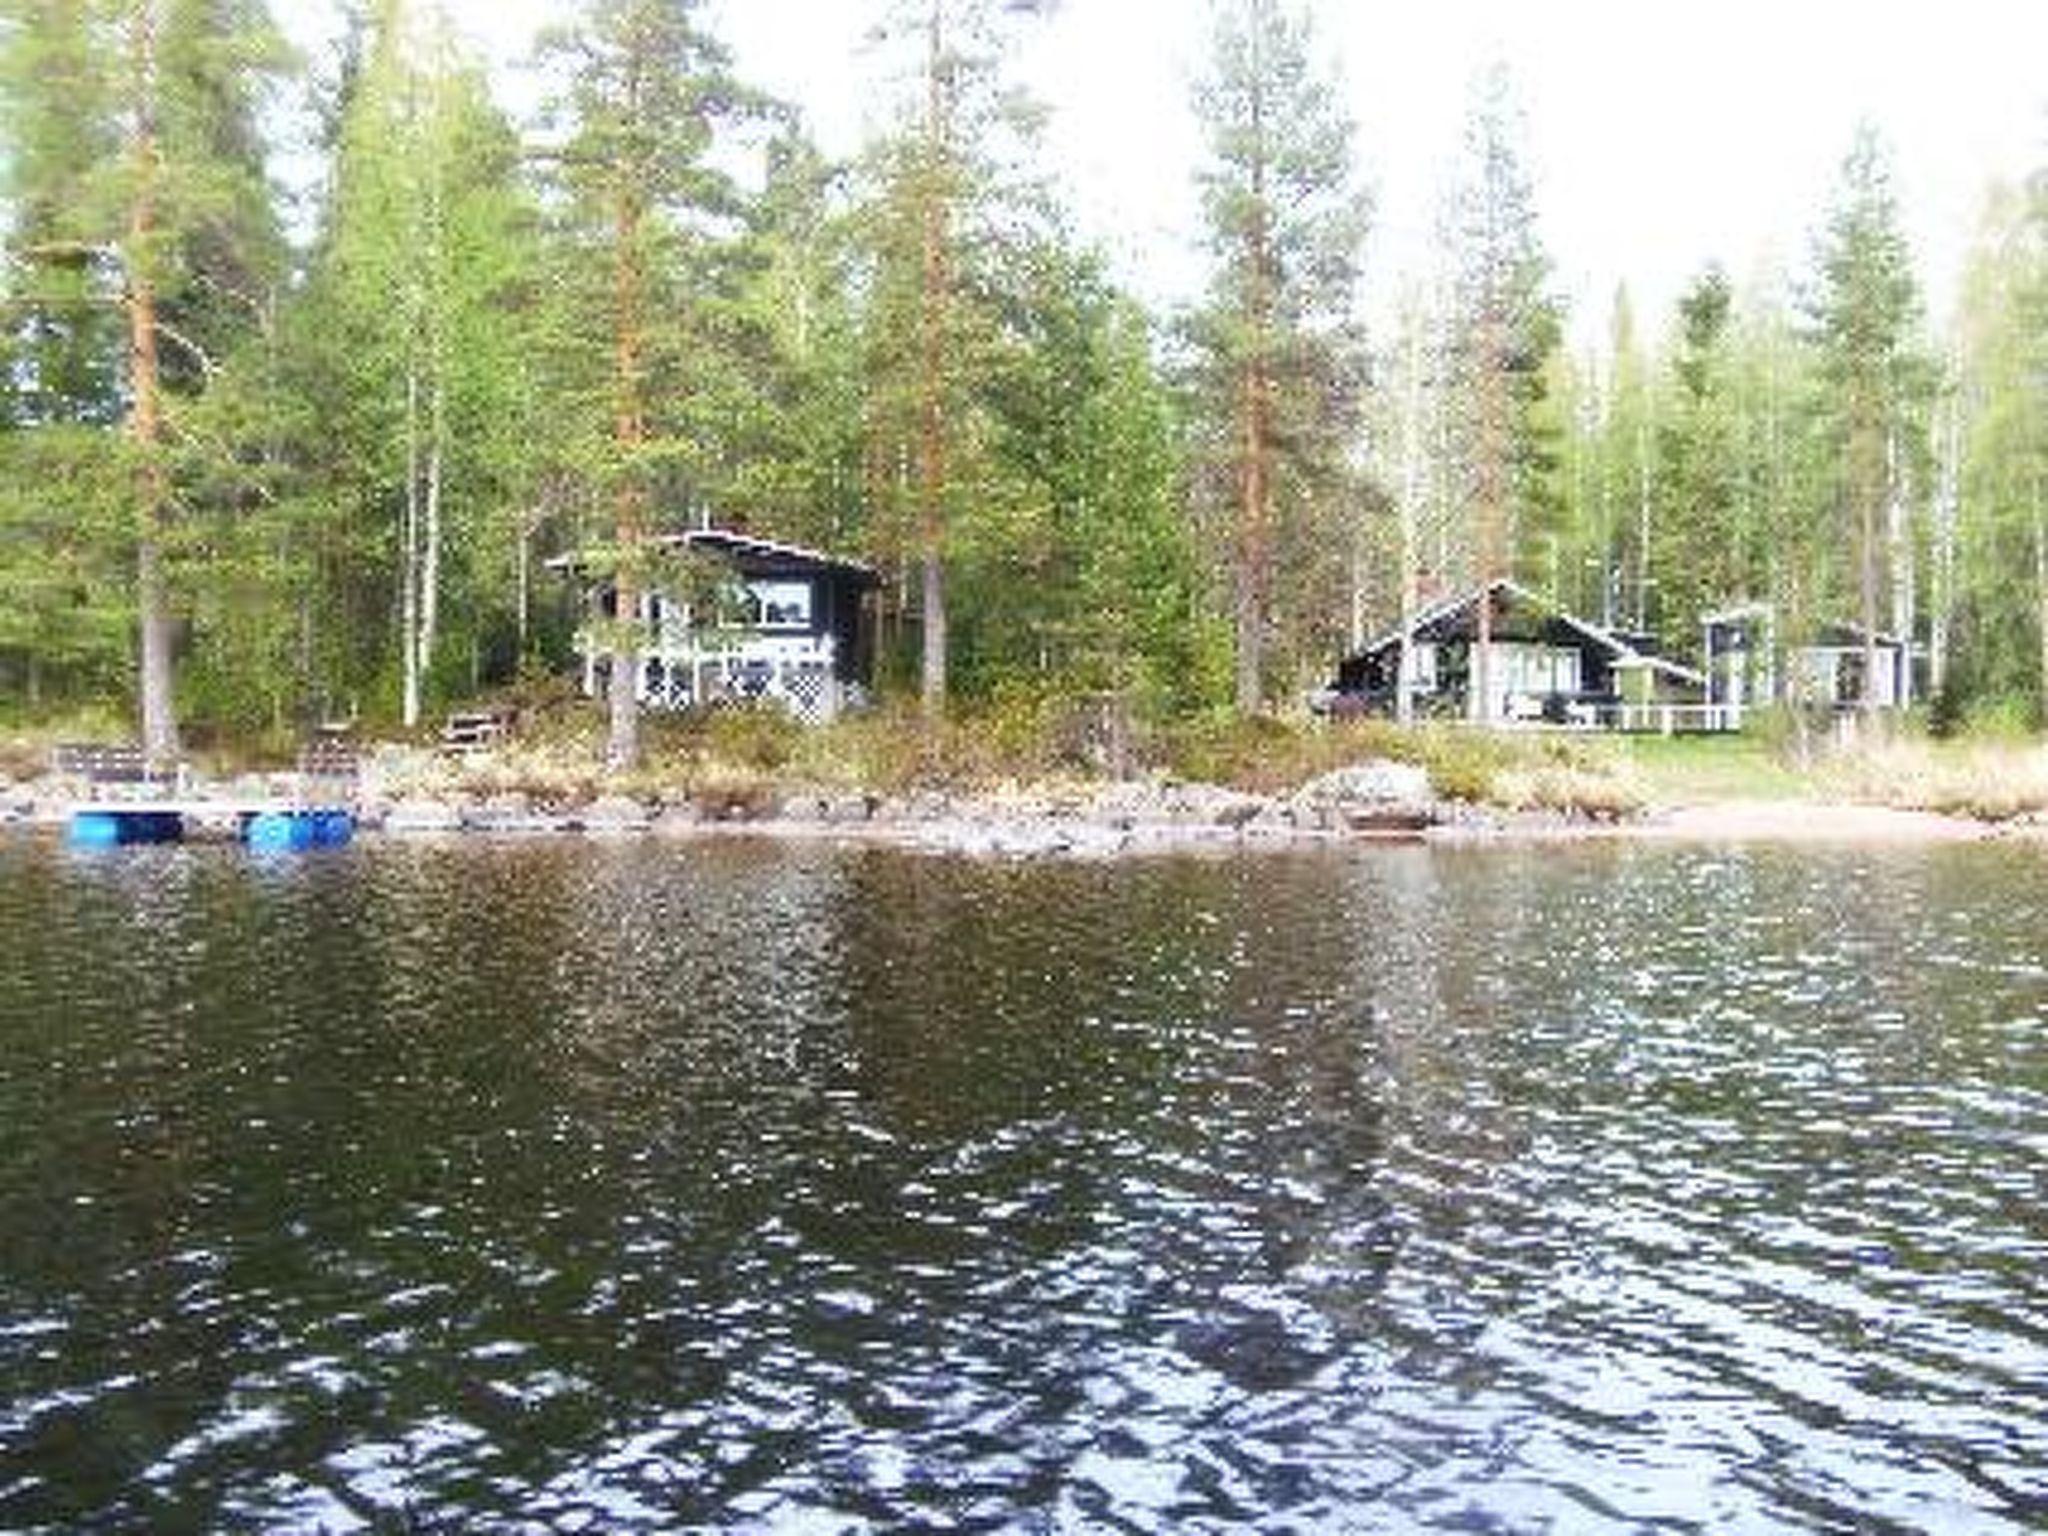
(1661, 134)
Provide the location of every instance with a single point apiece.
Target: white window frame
(765, 596)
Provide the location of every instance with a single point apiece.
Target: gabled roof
(1624, 655)
(738, 546)
(729, 541)
(1451, 607)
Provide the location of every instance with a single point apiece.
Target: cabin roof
(741, 548)
(1663, 664)
(1450, 608)
(1832, 635)
(1624, 653)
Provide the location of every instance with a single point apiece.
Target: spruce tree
(1864, 315)
(411, 351)
(1505, 326)
(1698, 562)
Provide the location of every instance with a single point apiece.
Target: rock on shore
(1077, 819)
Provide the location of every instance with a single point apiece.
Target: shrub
(763, 736)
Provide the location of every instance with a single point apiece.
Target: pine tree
(1279, 353)
(644, 214)
(154, 198)
(937, 224)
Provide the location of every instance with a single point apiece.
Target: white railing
(1676, 719)
(710, 670)
(1532, 711)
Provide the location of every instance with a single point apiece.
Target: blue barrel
(95, 829)
(278, 832)
(297, 831)
(119, 828)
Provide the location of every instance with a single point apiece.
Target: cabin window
(778, 604)
(1424, 663)
(1538, 669)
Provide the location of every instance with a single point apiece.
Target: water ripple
(621, 1187)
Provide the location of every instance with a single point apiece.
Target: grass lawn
(1691, 770)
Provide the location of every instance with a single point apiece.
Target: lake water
(617, 1187)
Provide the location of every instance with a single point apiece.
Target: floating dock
(270, 826)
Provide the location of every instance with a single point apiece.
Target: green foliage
(1863, 314)
(409, 382)
(57, 120)
(63, 548)
(1703, 560)
(1278, 354)
(665, 301)
(1998, 441)
(1503, 328)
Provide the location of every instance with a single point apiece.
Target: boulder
(617, 814)
(508, 813)
(422, 815)
(1367, 797)
(679, 819)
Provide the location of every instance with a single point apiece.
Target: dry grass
(1606, 792)
(1985, 779)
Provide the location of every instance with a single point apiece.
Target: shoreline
(1373, 805)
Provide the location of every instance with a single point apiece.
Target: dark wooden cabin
(1546, 666)
(786, 624)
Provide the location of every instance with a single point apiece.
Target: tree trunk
(1253, 553)
(1643, 518)
(931, 458)
(1411, 496)
(1941, 599)
(629, 437)
(2041, 587)
(145, 409)
(1251, 548)
(1493, 494)
(434, 293)
(1868, 584)
(430, 534)
(409, 562)
(524, 580)
(1899, 557)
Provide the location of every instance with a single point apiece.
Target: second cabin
(1541, 665)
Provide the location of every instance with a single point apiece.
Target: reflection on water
(613, 1187)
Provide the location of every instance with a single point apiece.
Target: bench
(476, 731)
(117, 762)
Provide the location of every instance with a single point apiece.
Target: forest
(266, 461)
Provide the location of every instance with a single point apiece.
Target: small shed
(781, 623)
(1748, 664)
